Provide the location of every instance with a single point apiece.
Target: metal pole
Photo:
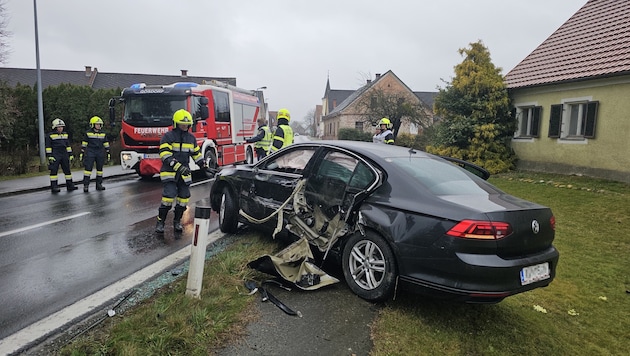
(40, 105)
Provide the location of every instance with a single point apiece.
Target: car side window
(291, 162)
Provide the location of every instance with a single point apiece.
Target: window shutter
(591, 119)
(536, 121)
(555, 118)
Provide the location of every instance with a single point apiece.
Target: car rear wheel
(228, 212)
(211, 163)
(369, 267)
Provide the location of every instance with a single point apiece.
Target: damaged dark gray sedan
(395, 218)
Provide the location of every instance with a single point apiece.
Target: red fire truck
(224, 116)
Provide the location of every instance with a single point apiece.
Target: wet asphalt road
(57, 249)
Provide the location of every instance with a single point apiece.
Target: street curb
(63, 185)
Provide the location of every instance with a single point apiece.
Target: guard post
(198, 251)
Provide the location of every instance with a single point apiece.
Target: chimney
(368, 81)
(184, 73)
(88, 71)
(378, 75)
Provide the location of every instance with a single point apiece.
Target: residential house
(347, 108)
(97, 80)
(572, 96)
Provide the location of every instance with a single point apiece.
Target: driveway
(334, 322)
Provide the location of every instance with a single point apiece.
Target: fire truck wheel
(211, 163)
(228, 212)
(249, 155)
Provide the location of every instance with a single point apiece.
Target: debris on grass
(538, 308)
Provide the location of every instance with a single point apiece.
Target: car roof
(371, 150)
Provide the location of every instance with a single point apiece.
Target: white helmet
(58, 123)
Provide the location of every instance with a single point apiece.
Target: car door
(274, 181)
(337, 185)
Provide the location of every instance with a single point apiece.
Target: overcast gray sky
(289, 46)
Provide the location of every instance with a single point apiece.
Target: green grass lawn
(585, 310)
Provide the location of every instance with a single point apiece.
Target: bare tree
(8, 109)
(4, 34)
(309, 122)
(395, 106)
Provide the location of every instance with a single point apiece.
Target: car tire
(369, 267)
(210, 157)
(228, 212)
(249, 156)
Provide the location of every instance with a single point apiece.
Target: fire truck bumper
(143, 163)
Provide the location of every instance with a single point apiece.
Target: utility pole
(40, 104)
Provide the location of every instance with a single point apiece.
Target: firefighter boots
(177, 219)
(162, 212)
(70, 186)
(54, 188)
(85, 188)
(159, 227)
(99, 183)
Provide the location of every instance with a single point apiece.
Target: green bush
(354, 135)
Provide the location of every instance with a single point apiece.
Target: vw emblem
(535, 226)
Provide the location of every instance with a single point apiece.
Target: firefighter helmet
(182, 117)
(96, 120)
(385, 121)
(283, 114)
(58, 123)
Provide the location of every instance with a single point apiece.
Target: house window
(358, 125)
(528, 121)
(574, 120)
(413, 128)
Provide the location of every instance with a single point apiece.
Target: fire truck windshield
(152, 110)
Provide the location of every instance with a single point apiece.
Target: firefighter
(176, 148)
(59, 152)
(94, 149)
(384, 133)
(284, 133)
(262, 139)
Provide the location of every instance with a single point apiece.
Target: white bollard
(198, 252)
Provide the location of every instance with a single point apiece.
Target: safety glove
(71, 158)
(51, 159)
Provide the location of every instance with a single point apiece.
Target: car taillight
(552, 221)
(486, 230)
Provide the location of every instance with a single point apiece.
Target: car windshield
(152, 110)
(440, 177)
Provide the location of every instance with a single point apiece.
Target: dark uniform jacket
(58, 145)
(95, 144)
(178, 146)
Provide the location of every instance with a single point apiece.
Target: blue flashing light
(185, 85)
(138, 86)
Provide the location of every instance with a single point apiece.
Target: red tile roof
(594, 42)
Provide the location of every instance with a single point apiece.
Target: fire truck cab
(224, 116)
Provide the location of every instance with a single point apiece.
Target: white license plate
(534, 273)
(151, 155)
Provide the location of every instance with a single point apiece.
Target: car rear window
(440, 177)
